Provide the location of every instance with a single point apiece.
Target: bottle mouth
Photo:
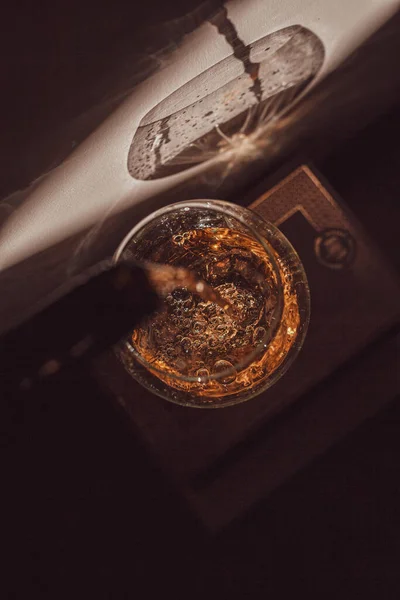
(202, 214)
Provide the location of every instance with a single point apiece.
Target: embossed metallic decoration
(335, 248)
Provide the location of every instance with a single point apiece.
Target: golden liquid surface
(196, 346)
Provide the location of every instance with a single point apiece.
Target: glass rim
(227, 209)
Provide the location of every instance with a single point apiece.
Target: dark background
(86, 511)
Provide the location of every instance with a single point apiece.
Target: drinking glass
(195, 351)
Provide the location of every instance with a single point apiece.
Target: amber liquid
(230, 334)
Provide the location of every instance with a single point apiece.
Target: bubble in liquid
(210, 310)
(196, 344)
(223, 331)
(198, 327)
(177, 239)
(213, 341)
(226, 369)
(188, 302)
(203, 347)
(186, 344)
(215, 321)
(181, 296)
(202, 373)
(186, 239)
(259, 335)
